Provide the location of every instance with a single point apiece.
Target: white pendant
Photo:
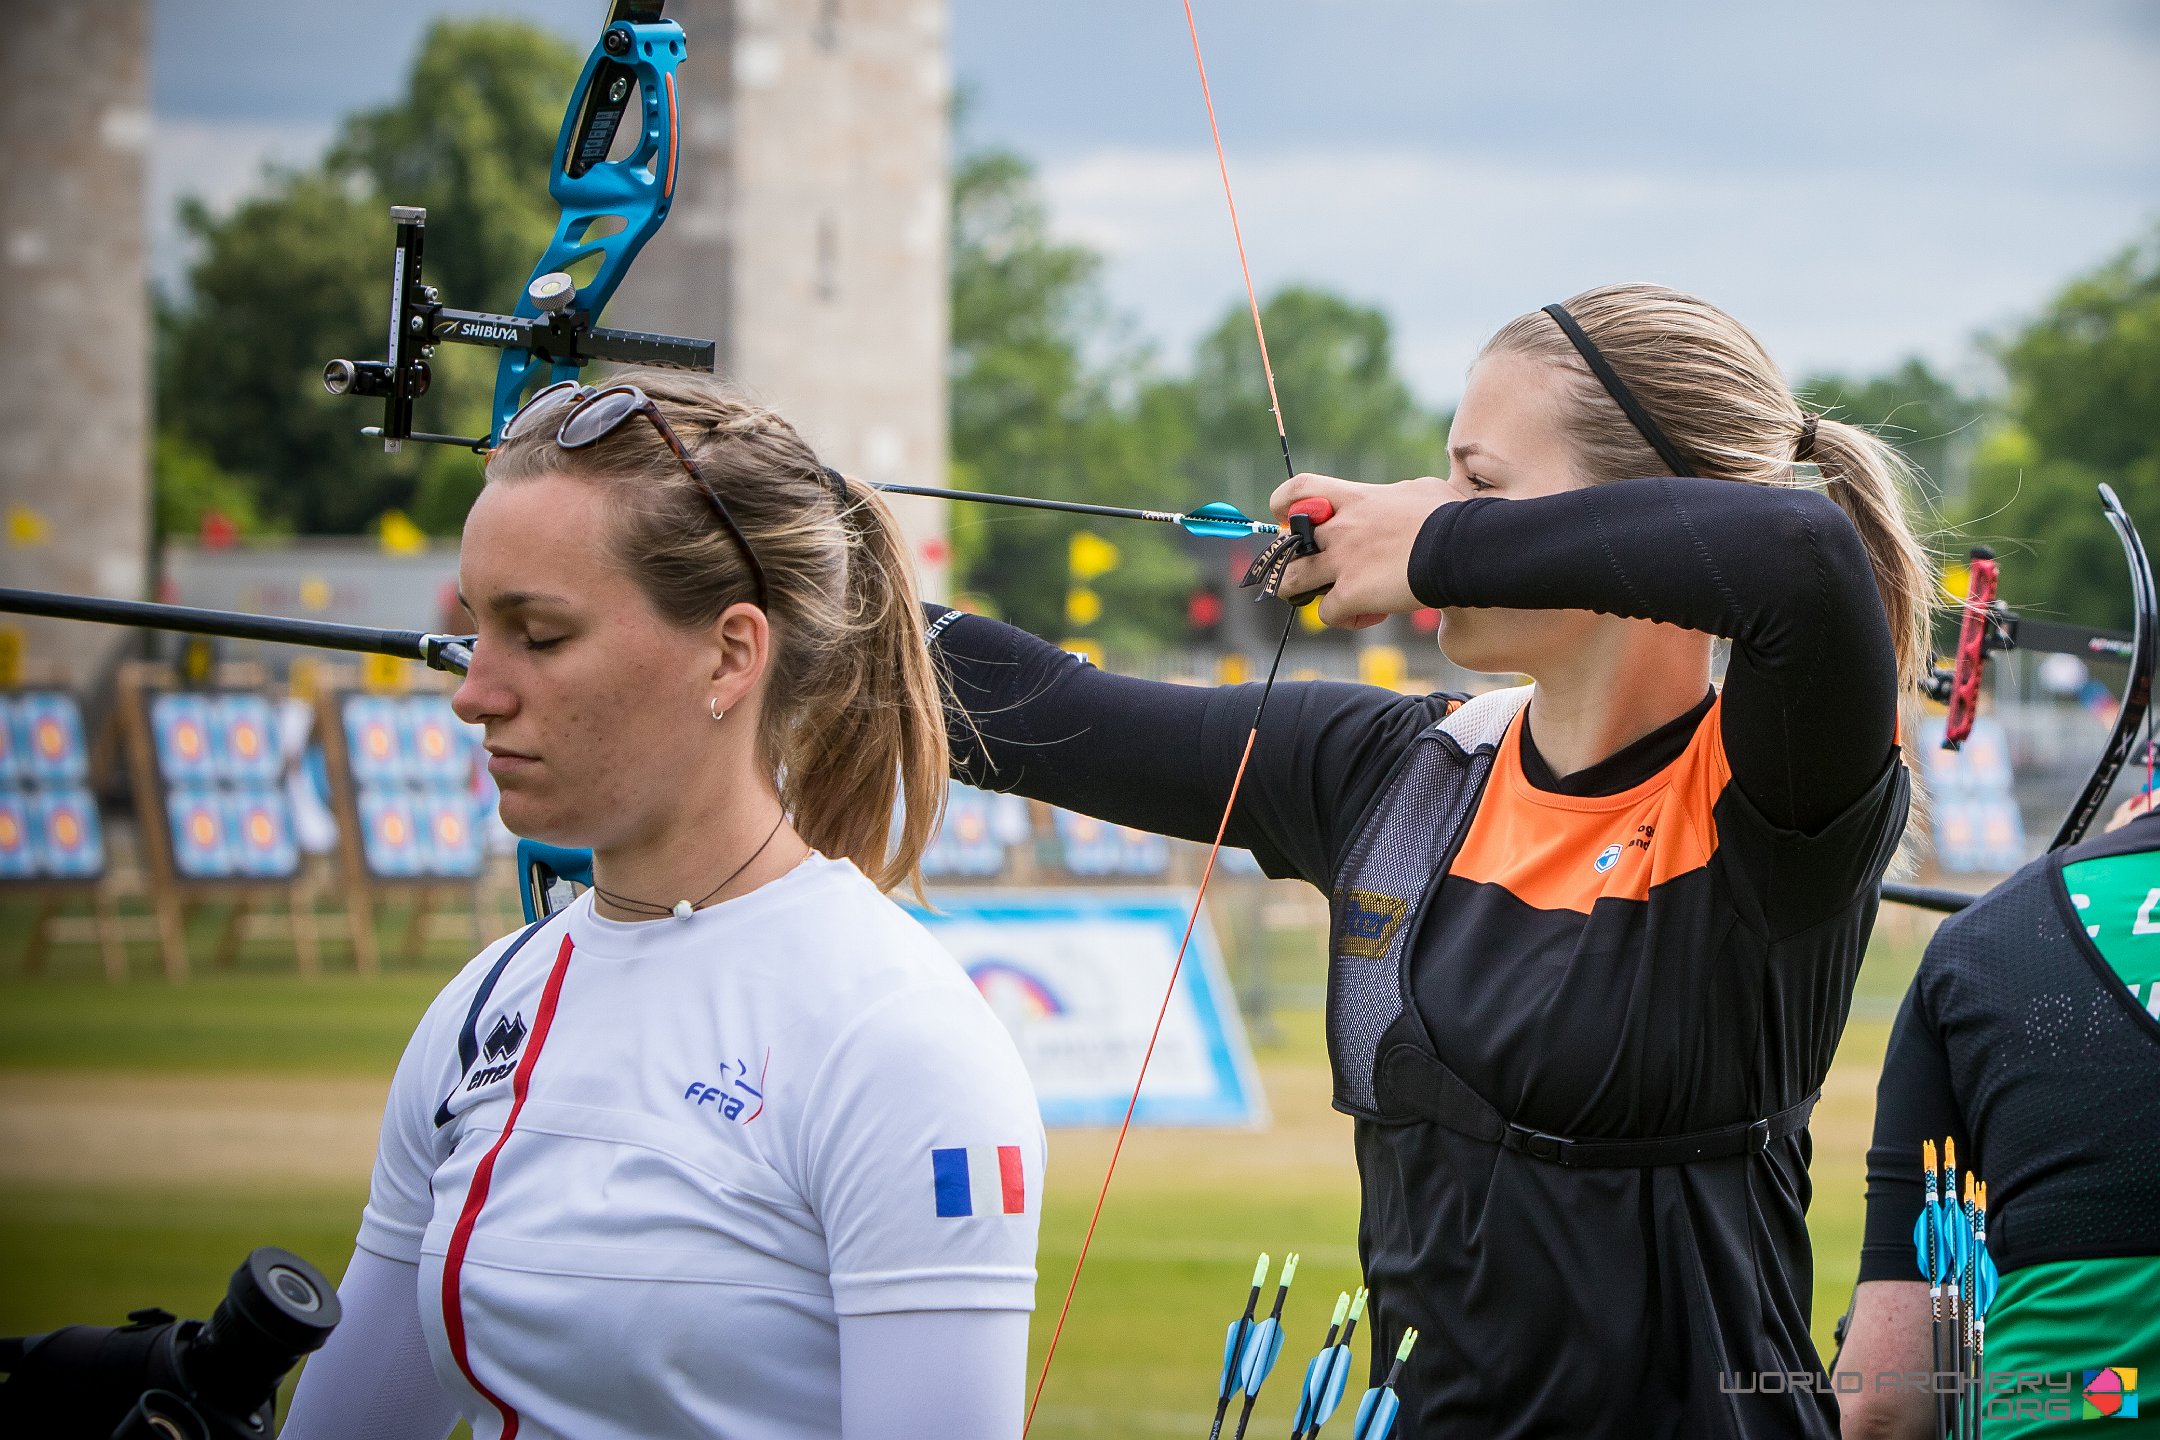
(682, 909)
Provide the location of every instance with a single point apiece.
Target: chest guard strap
(1422, 1084)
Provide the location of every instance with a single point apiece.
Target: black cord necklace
(683, 909)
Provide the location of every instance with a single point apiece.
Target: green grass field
(151, 1135)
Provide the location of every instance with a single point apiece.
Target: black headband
(1622, 396)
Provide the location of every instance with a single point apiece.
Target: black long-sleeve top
(1707, 986)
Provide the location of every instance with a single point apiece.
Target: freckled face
(595, 709)
(1507, 440)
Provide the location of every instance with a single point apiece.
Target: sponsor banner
(1077, 975)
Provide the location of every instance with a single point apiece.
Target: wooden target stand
(438, 905)
(174, 897)
(51, 895)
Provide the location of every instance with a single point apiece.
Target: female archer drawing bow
(1591, 938)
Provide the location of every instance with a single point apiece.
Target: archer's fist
(1364, 546)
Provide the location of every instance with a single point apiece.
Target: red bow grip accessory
(1972, 648)
(1304, 515)
(1313, 511)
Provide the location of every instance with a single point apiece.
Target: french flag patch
(958, 1174)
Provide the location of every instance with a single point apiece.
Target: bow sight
(609, 209)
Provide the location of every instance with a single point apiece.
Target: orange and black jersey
(1662, 944)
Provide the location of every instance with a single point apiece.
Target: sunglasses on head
(590, 415)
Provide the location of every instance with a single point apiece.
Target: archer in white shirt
(731, 1147)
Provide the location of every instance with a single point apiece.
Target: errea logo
(1607, 858)
(500, 1050)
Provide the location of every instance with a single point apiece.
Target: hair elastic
(839, 485)
(1622, 396)
(1804, 447)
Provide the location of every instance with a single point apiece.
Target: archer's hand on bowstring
(1364, 546)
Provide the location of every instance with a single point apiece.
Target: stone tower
(808, 234)
(75, 329)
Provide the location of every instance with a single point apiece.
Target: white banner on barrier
(1076, 975)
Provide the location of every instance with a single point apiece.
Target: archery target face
(180, 729)
(392, 844)
(371, 740)
(74, 843)
(202, 845)
(18, 857)
(246, 740)
(263, 838)
(454, 843)
(51, 748)
(967, 841)
(439, 744)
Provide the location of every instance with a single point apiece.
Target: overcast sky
(1858, 181)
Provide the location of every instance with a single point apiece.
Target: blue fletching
(1231, 1381)
(1956, 1238)
(1260, 1354)
(1929, 1224)
(1375, 1415)
(1325, 1377)
(1218, 519)
(1985, 1279)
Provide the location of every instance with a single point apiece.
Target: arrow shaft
(228, 624)
(1069, 507)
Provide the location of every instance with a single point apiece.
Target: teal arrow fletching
(1375, 1415)
(1233, 1350)
(1325, 1379)
(1955, 1240)
(1985, 1280)
(1927, 1228)
(1220, 520)
(1261, 1352)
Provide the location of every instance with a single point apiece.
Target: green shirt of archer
(2071, 1319)
(2118, 898)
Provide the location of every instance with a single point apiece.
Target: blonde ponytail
(1718, 396)
(881, 715)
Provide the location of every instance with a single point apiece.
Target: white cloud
(1834, 269)
(218, 162)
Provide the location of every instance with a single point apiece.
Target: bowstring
(1252, 736)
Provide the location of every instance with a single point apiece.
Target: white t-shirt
(673, 1152)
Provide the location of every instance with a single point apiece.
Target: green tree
(1347, 410)
(1934, 423)
(2084, 408)
(1050, 397)
(299, 273)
